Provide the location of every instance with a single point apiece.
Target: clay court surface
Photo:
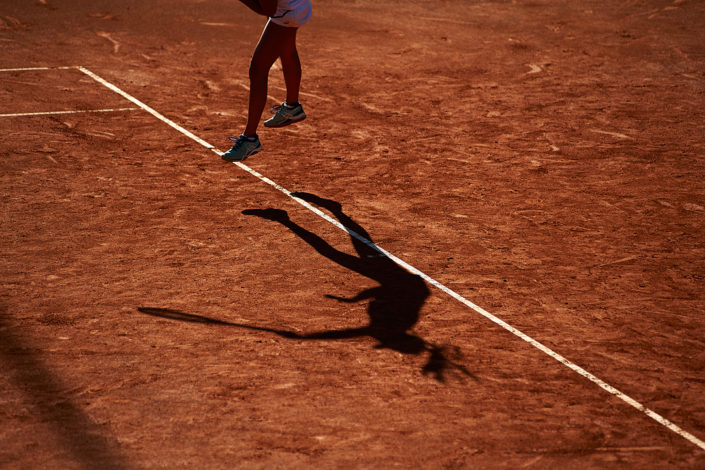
(544, 160)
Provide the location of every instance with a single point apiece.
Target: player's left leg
(291, 110)
(291, 67)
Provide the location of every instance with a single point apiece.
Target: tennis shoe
(284, 115)
(243, 148)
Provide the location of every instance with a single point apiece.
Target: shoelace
(238, 141)
(275, 109)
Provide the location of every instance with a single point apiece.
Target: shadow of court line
(80, 436)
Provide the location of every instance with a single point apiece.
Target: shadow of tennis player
(395, 304)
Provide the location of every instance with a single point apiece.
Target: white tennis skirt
(293, 18)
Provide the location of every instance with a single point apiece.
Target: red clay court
(485, 247)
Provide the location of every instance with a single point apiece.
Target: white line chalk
(574, 367)
(145, 107)
(29, 69)
(534, 69)
(613, 134)
(78, 111)
(275, 99)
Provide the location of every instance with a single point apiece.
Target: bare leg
(274, 40)
(291, 67)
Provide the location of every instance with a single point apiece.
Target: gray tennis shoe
(285, 115)
(243, 148)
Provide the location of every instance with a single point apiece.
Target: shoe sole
(297, 118)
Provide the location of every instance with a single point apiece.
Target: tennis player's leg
(291, 67)
(274, 40)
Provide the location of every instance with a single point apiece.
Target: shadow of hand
(444, 360)
(287, 334)
(340, 299)
(277, 215)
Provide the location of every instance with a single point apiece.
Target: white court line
(146, 108)
(574, 367)
(29, 69)
(47, 113)
(276, 100)
(302, 93)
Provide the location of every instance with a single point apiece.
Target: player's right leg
(267, 51)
